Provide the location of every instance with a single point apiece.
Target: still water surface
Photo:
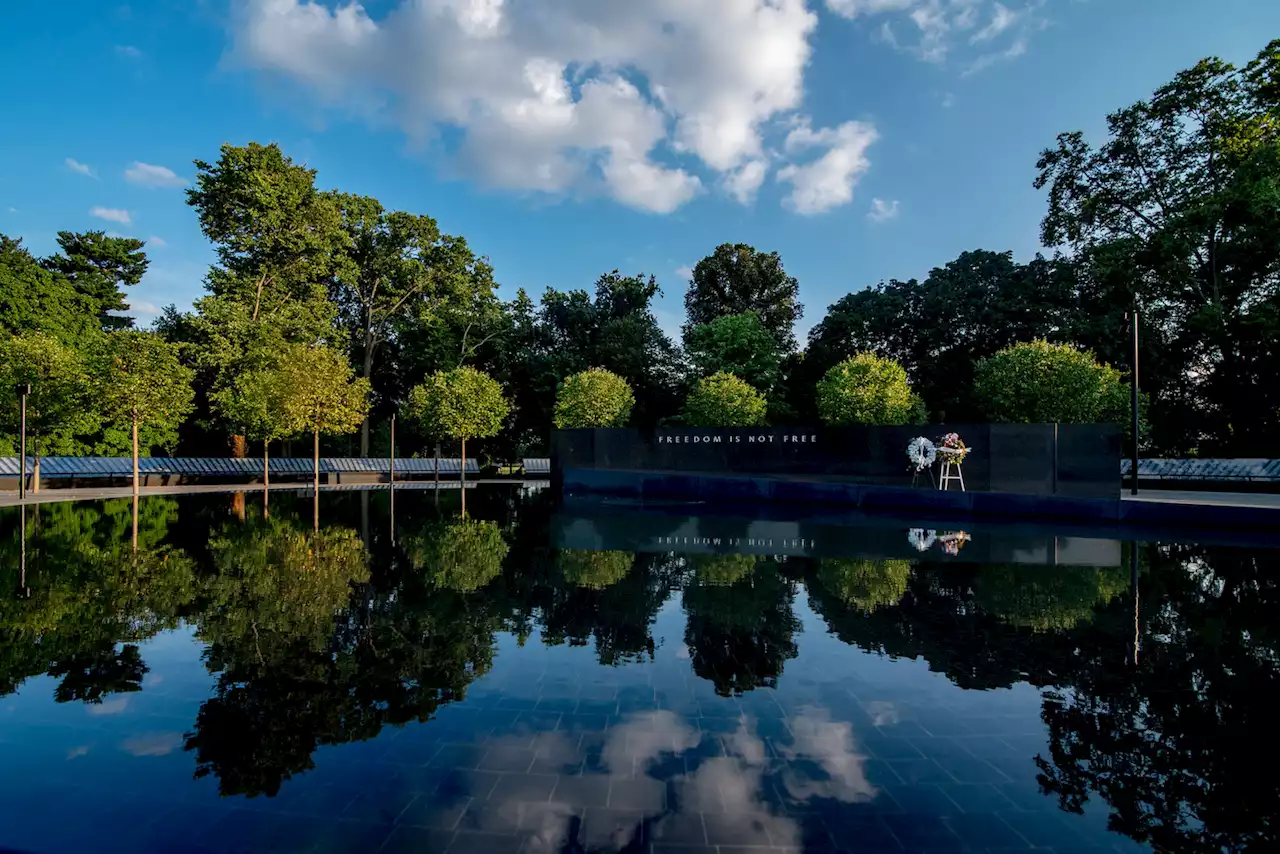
(604, 678)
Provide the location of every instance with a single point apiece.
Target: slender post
(462, 468)
(135, 460)
(1133, 401)
(315, 461)
(23, 391)
(393, 449)
(1133, 586)
(135, 522)
(437, 467)
(23, 593)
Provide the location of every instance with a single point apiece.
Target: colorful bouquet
(953, 542)
(952, 448)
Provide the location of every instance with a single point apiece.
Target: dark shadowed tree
(737, 278)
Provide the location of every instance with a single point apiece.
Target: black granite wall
(1079, 460)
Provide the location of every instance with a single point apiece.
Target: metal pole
(1133, 402)
(393, 449)
(23, 391)
(1133, 587)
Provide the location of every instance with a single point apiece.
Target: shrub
(593, 398)
(867, 389)
(724, 400)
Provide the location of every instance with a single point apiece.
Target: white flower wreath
(921, 540)
(922, 453)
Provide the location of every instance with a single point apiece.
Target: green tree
(724, 400)
(1179, 206)
(1038, 382)
(460, 404)
(98, 266)
(321, 396)
(34, 299)
(722, 570)
(868, 389)
(399, 273)
(256, 401)
(939, 328)
(865, 585)
(1047, 598)
(593, 398)
(60, 406)
(463, 555)
(594, 569)
(738, 344)
(278, 241)
(736, 279)
(140, 380)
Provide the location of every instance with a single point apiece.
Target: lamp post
(24, 389)
(1133, 398)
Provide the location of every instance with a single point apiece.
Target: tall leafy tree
(398, 272)
(724, 400)
(35, 299)
(257, 402)
(140, 380)
(739, 344)
(736, 278)
(1039, 382)
(277, 240)
(98, 266)
(1181, 198)
(61, 406)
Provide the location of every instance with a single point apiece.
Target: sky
(861, 139)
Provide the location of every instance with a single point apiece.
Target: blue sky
(861, 139)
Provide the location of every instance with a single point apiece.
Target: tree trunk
(135, 458)
(266, 474)
(462, 467)
(367, 374)
(35, 468)
(315, 462)
(238, 446)
(135, 523)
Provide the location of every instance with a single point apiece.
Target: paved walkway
(45, 496)
(1230, 499)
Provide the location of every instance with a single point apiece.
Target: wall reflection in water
(582, 680)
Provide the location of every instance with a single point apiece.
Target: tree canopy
(736, 278)
(724, 400)
(1039, 382)
(460, 404)
(868, 389)
(737, 344)
(594, 398)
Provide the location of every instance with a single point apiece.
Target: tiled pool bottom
(550, 751)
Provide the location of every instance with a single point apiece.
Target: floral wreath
(921, 453)
(953, 542)
(921, 540)
(953, 448)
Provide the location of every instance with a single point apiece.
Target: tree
(738, 344)
(399, 271)
(593, 398)
(865, 585)
(868, 389)
(464, 555)
(736, 278)
(1180, 202)
(594, 569)
(256, 401)
(278, 241)
(97, 266)
(1039, 382)
(722, 570)
(724, 400)
(321, 396)
(140, 380)
(460, 404)
(60, 406)
(34, 299)
(938, 328)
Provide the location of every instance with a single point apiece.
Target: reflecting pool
(212, 674)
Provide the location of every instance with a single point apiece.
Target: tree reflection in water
(320, 638)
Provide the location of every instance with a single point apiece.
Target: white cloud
(684, 272)
(143, 308)
(147, 175)
(555, 96)
(76, 166)
(826, 182)
(932, 30)
(156, 242)
(129, 51)
(112, 215)
(882, 210)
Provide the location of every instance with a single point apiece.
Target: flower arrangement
(920, 539)
(953, 448)
(921, 453)
(953, 542)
